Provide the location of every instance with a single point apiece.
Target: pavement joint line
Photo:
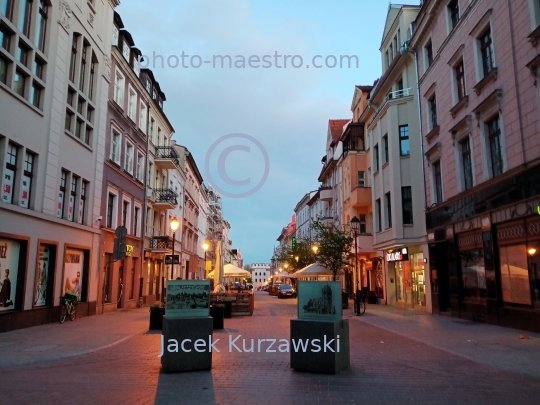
(440, 347)
(71, 355)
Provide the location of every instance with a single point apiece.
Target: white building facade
(260, 274)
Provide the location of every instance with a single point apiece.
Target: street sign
(293, 242)
(172, 259)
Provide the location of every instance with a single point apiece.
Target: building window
(363, 226)
(437, 180)
(19, 85)
(361, 179)
(385, 149)
(110, 210)
(119, 89)
(128, 163)
(387, 60)
(136, 221)
(72, 198)
(125, 51)
(35, 95)
(39, 68)
(152, 125)
(7, 8)
(25, 17)
(466, 164)
(125, 213)
(432, 103)
(495, 148)
(369, 176)
(116, 142)
(82, 71)
(69, 119)
(404, 140)
(27, 180)
(428, 51)
(132, 103)
(62, 194)
(82, 202)
(115, 35)
(73, 61)
(388, 204)
(9, 174)
(378, 213)
(92, 77)
(22, 54)
(453, 13)
(515, 274)
(460, 80)
(148, 86)
(486, 51)
(376, 153)
(142, 118)
(406, 204)
(140, 167)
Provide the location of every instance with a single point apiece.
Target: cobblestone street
(117, 363)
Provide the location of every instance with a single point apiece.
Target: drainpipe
(404, 49)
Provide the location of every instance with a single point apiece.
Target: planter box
(156, 318)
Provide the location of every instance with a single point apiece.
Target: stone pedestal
(187, 359)
(327, 362)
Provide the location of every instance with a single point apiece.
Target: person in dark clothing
(5, 291)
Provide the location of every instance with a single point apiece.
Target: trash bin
(217, 312)
(344, 300)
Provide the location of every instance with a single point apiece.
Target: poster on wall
(7, 194)
(9, 268)
(319, 300)
(42, 275)
(188, 298)
(73, 272)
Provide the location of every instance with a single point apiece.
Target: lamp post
(205, 247)
(355, 226)
(175, 223)
(315, 248)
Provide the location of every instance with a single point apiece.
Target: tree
(335, 247)
(247, 267)
(296, 257)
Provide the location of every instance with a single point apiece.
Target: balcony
(161, 244)
(165, 199)
(360, 197)
(326, 193)
(166, 157)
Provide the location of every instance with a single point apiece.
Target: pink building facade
(479, 104)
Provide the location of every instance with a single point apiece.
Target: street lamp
(296, 258)
(531, 251)
(205, 247)
(315, 248)
(286, 266)
(175, 223)
(355, 226)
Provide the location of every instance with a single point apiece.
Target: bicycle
(69, 306)
(360, 303)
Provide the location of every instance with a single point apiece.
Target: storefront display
(9, 269)
(73, 271)
(44, 274)
(418, 279)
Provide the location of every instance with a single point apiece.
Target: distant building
(261, 274)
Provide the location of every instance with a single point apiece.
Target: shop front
(152, 279)
(407, 278)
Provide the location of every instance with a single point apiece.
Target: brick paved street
(386, 367)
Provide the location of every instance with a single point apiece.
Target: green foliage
(335, 247)
(288, 254)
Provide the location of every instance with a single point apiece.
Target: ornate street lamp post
(205, 247)
(175, 223)
(355, 227)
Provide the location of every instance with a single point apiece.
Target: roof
(336, 129)
(118, 20)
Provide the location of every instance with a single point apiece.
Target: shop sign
(129, 250)
(398, 255)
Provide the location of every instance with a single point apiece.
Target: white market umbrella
(313, 270)
(230, 271)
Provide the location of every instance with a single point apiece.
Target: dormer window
(125, 51)
(154, 94)
(161, 103)
(136, 65)
(148, 86)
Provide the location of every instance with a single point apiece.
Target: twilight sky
(285, 109)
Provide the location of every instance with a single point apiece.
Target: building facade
(260, 274)
(395, 147)
(478, 65)
(54, 81)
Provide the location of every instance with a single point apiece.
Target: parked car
(286, 290)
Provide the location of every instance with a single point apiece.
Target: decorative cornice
(65, 15)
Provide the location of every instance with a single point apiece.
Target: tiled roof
(336, 128)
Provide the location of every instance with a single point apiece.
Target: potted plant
(157, 312)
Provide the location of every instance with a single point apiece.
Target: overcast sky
(285, 109)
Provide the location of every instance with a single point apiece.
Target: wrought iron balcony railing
(161, 243)
(165, 195)
(167, 152)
